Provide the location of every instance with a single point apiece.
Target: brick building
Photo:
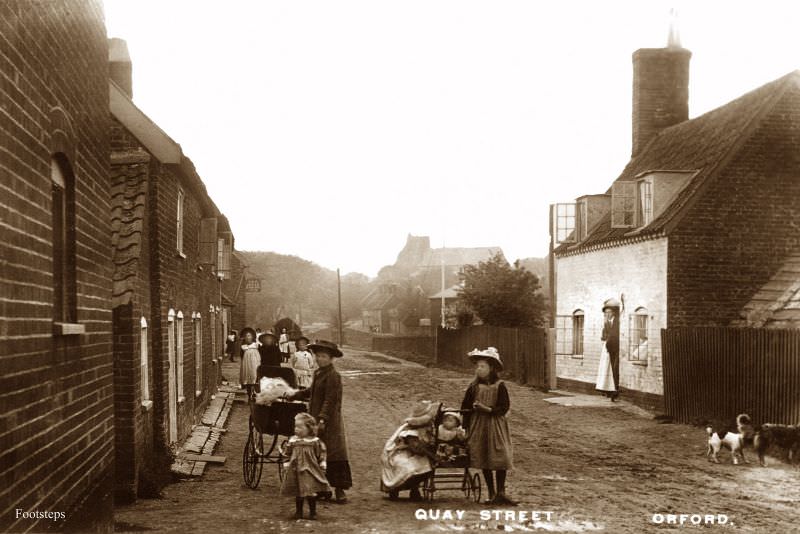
(57, 418)
(704, 215)
(173, 259)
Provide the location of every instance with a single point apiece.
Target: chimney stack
(119, 65)
(660, 89)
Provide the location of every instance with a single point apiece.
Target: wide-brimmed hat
(326, 346)
(489, 354)
(611, 304)
(247, 329)
(267, 333)
(422, 413)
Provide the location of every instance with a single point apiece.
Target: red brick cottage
(172, 258)
(56, 389)
(705, 213)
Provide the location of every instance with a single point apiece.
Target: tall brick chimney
(119, 65)
(660, 89)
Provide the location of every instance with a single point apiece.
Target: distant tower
(660, 88)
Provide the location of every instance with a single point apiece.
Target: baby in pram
(450, 437)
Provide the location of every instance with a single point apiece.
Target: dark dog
(784, 437)
(720, 436)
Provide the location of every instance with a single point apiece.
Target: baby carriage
(267, 422)
(451, 468)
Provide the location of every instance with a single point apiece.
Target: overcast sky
(332, 129)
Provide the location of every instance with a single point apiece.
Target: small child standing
(305, 468)
(248, 371)
(303, 363)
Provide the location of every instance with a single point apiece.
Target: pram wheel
(251, 457)
(429, 488)
(475, 487)
(281, 460)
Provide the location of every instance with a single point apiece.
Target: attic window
(623, 204)
(564, 223)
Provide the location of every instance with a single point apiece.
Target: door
(173, 399)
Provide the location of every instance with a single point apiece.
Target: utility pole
(339, 290)
(443, 299)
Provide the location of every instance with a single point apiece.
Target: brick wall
(736, 237)
(132, 296)
(181, 286)
(56, 426)
(584, 281)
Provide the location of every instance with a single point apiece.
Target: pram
(450, 472)
(265, 425)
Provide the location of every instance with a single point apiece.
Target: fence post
(436, 346)
(550, 358)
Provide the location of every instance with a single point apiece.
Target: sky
(331, 130)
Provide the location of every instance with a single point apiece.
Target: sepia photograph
(381, 266)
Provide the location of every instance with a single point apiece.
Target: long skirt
(605, 375)
(338, 474)
(399, 464)
(489, 442)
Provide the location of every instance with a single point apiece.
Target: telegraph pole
(339, 290)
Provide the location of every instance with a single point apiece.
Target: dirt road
(593, 468)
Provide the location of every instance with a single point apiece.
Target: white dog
(733, 441)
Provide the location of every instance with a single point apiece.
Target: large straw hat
(611, 304)
(328, 347)
(489, 354)
(422, 413)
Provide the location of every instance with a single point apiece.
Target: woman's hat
(452, 414)
(422, 413)
(326, 346)
(489, 353)
(267, 333)
(611, 304)
(247, 329)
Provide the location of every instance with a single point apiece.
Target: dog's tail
(743, 419)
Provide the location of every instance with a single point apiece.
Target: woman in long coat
(325, 404)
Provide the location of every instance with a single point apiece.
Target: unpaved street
(595, 468)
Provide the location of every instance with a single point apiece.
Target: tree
(501, 294)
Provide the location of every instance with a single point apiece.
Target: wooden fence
(712, 373)
(523, 350)
(417, 344)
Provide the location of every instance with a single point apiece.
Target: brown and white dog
(784, 437)
(720, 436)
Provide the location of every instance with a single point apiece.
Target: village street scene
(372, 268)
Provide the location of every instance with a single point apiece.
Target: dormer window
(563, 223)
(623, 204)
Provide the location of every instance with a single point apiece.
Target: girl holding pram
(488, 438)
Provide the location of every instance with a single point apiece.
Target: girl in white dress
(303, 363)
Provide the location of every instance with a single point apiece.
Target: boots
(341, 498)
(312, 508)
(298, 504)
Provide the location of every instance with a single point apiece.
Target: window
(582, 220)
(179, 352)
(224, 250)
(638, 336)
(645, 202)
(577, 332)
(623, 204)
(63, 211)
(179, 227)
(198, 352)
(564, 223)
(143, 353)
(564, 341)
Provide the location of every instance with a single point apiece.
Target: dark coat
(611, 337)
(325, 395)
(230, 346)
(270, 355)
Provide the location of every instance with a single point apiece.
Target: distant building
(57, 416)
(698, 230)
(177, 284)
(450, 296)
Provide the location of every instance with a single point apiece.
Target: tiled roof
(777, 303)
(449, 293)
(703, 144)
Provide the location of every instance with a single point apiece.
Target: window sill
(197, 394)
(576, 356)
(180, 254)
(214, 361)
(181, 400)
(147, 405)
(640, 363)
(68, 329)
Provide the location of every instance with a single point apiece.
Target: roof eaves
(610, 243)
